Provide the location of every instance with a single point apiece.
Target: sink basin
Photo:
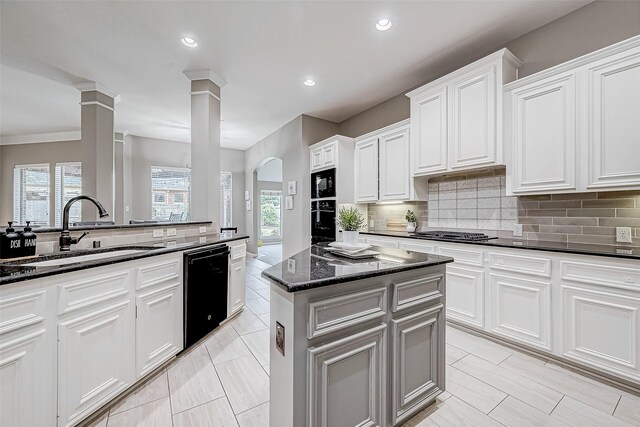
(73, 259)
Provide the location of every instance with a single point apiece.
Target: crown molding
(73, 135)
(93, 86)
(205, 75)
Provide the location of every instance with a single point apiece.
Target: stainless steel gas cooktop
(452, 235)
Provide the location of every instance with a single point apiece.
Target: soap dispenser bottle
(28, 241)
(10, 243)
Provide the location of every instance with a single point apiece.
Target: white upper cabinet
(456, 121)
(394, 171)
(575, 127)
(429, 113)
(366, 170)
(614, 125)
(383, 166)
(324, 157)
(544, 150)
(316, 159)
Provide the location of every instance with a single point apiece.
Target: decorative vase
(411, 227)
(350, 237)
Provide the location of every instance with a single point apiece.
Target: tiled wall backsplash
(391, 217)
(471, 203)
(580, 217)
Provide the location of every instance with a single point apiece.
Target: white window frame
(230, 200)
(170, 168)
(58, 193)
(16, 191)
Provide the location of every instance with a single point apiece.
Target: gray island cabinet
(355, 343)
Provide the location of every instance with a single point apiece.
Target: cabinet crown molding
(504, 54)
(339, 138)
(575, 63)
(391, 127)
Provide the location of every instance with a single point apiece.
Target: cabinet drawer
(464, 256)
(521, 264)
(600, 274)
(418, 247)
(88, 291)
(415, 292)
(22, 308)
(343, 311)
(158, 272)
(238, 250)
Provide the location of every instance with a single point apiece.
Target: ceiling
(263, 50)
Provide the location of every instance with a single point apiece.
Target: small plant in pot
(350, 220)
(412, 222)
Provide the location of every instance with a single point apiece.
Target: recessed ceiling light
(383, 24)
(189, 42)
(309, 82)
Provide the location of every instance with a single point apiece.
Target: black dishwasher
(205, 291)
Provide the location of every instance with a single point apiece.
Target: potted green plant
(350, 220)
(412, 222)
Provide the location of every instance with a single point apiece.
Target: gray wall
(584, 30)
(22, 154)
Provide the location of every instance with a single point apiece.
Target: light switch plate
(158, 233)
(371, 224)
(171, 232)
(203, 230)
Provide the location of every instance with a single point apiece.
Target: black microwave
(323, 184)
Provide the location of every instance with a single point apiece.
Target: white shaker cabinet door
(394, 165)
(465, 295)
(544, 136)
(347, 380)
(366, 170)
(614, 121)
(316, 159)
(236, 286)
(473, 120)
(329, 155)
(429, 132)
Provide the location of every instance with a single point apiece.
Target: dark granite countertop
(314, 267)
(622, 251)
(16, 271)
(37, 229)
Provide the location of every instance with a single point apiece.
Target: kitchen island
(355, 342)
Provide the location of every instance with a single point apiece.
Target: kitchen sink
(73, 258)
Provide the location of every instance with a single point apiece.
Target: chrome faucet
(65, 238)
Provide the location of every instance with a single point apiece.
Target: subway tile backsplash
(478, 201)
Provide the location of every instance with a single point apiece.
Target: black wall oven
(323, 221)
(323, 184)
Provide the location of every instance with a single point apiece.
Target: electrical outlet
(517, 230)
(371, 224)
(171, 232)
(171, 243)
(280, 337)
(623, 234)
(158, 233)
(203, 240)
(203, 230)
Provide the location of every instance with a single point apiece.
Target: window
(170, 189)
(225, 199)
(270, 214)
(68, 179)
(31, 194)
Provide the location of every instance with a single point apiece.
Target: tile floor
(224, 381)
(270, 253)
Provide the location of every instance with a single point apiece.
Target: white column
(205, 146)
(97, 135)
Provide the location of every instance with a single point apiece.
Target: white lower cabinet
(347, 381)
(465, 295)
(236, 288)
(521, 309)
(27, 370)
(415, 340)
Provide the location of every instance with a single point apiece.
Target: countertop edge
(114, 260)
(114, 226)
(526, 246)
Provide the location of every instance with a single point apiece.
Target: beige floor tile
(258, 343)
(247, 322)
(155, 388)
(455, 413)
(260, 265)
(251, 269)
(266, 369)
(473, 391)
(556, 366)
(246, 383)
(576, 387)
(264, 293)
(530, 392)
(216, 413)
(193, 381)
(225, 344)
(265, 318)
(251, 294)
(629, 410)
(453, 354)
(480, 347)
(575, 413)
(255, 417)
(513, 413)
(153, 414)
(258, 305)
(255, 283)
